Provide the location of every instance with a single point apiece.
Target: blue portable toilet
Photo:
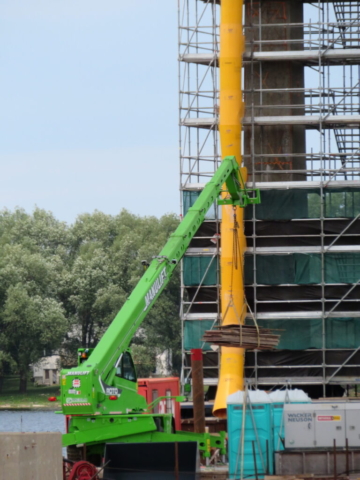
(278, 399)
(257, 456)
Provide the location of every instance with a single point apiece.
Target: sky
(89, 106)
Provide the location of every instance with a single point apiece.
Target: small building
(46, 371)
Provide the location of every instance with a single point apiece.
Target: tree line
(61, 286)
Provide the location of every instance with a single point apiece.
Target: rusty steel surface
(198, 390)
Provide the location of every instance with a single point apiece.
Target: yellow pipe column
(233, 243)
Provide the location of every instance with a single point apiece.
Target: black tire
(74, 453)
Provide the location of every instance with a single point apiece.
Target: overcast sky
(89, 106)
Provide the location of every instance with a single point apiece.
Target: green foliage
(31, 325)
(61, 286)
(144, 360)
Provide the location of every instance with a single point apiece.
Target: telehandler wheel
(74, 453)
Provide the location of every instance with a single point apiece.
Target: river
(31, 421)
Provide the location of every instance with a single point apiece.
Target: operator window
(125, 367)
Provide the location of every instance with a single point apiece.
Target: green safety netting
(300, 334)
(280, 205)
(295, 203)
(293, 269)
(190, 197)
(193, 332)
(302, 269)
(306, 203)
(295, 334)
(194, 269)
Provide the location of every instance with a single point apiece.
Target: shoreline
(28, 408)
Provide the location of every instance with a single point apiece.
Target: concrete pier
(31, 456)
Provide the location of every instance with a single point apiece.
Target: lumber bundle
(244, 336)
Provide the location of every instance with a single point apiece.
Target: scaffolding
(302, 148)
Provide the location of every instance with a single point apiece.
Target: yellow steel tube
(233, 244)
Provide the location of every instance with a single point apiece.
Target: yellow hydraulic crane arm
(233, 244)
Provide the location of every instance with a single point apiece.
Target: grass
(35, 398)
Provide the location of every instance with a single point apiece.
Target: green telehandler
(99, 396)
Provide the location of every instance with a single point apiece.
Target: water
(31, 421)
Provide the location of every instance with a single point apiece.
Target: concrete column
(276, 139)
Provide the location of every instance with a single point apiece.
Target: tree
(79, 276)
(93, 296)
(38, 232)
(32, 253)
(6, 362)
(142, 240)
(107, 254)
(31, 324)
(144, 360)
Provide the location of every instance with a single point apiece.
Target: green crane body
(100, 395)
